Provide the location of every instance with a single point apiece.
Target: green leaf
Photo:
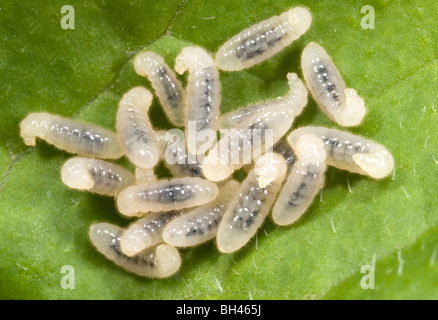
(389, 224)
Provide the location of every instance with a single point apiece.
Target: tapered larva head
(134, 240)
(310, 148)
(139, 97)
(191, 58)
(378, 163)
(147, 62)
(270, 168)
(124, 201)
(75, 174)
(298, 91)
(299, 20)
(31, 127)
(216, 170)
(168, 260)
(353, 112)
(144, 175)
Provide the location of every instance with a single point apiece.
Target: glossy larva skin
(144, 176)
(202, 93)
(160, 261)
(200, 224)
(350, 152)
(167, 86)
(134, 128)
(166, 195)
(262, 40)
(229, 153)
(296, 99)
(146, 232)
(96, 176)
(73, 136)
(304, 181)
(327, 87)
(285, 150)
(246, 212)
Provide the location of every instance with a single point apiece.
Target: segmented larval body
(160, 261)
(304, 181)
(343, 105)
(247, 211)
(350, 152)
(202, 97)
(200, 224)
(285, 150)
(296, 99)
(167, 86)
(73, 136)
(166, 195)
(96, 176)
(247, 141)
(262, 40)
(134, 128)
(176, 157)
(146, 231)
(144, 176)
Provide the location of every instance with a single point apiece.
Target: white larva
(296, 99)
(304, 181)
(200, 224)
(252, 137)
(350, 152)
(146, 232)
(262, 40)
(202, 95)
(73, 136)
(247, 210)
(166, 195)
(96, 176)
(143, 176)
(165, 83)
(342, 105)
(134, 128)
(270, 168)
(160, 261)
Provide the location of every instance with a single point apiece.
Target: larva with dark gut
(96, 176)
(166, 195)
(248, 208)
(134, 128)
(285, 150)
(342, 105)
(296, 99)
(167, 86)
(160, 261)
(262, 40)
(202, 96)
(73, 136)
(200, 224)
(350, 152)
(304, 181)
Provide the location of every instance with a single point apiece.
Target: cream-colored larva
(248, 210)
(296, 99)
(144, 176)
(202, 97)
(166, 195)
(252, 137)
(200, 224)
(262, 40)
(304, 181)
(146, 232)
(73, 136)
(165, 83)
(270, 168)
(350, 152)
(96, 176)
(160, 261)
(134, 128)
(342, 105)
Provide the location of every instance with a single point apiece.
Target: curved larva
(303, 183)
(166, 195)
(200, 224)
(246, 212)
(146, 232)
(73, 136)
(350, 152)
(202, 95)
(144, 176)
(160, 261)
(285, 150)
(96, 176)
(251, 137)
(341, 104)
(262, 40)
(134, 128)
(165, 83)
(296, 99)
(176, 157)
